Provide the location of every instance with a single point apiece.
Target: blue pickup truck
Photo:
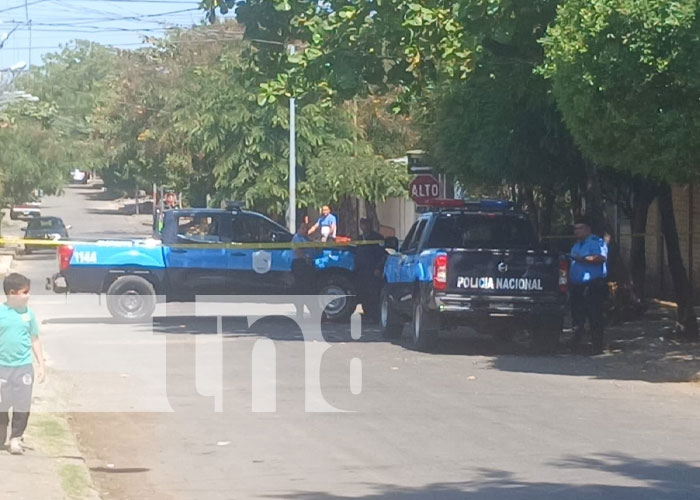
(180, 266)
(479, 265)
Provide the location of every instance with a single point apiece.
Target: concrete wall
(658, 277)
(397, 215)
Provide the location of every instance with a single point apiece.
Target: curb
(53, 435)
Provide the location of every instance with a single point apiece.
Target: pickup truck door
(409, 264)
(193, 268)
(260, 270)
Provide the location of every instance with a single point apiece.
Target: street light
(292, 159)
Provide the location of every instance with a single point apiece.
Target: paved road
(479, 420)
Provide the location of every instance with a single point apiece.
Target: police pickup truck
(206, 252)
(477, 264)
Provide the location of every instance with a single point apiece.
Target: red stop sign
(424, 189)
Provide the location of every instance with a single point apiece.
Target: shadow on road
(119, 470)
(279, 328)
(636, 479)
(637, 350)
(46, 254)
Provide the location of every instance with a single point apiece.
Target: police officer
(370, 264)
(588, 286)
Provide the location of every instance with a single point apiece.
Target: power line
(21, 6)
(148, 42)
(2, 42)
(171, 2)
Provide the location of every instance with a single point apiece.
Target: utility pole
(292, 160)
(29, 24)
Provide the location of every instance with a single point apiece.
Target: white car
(79, 176)
(25, 210)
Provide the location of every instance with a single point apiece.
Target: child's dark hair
(14, 282)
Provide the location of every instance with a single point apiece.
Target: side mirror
(281, 237)
(69, 226)
(23, 228)
(391, 243)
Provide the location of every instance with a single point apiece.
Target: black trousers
(587, 302)
(16, 385)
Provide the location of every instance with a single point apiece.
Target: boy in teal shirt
(19, 336)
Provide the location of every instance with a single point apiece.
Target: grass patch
(74, 480)
(49, 429)
(53, 436)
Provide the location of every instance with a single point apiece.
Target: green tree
(626, 78)
(71, 82)
(188, 112)
(31, 158)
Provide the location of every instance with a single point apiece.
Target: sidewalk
(52, 467)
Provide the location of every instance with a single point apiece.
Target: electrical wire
(21, 6)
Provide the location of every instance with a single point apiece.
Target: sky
(119, 23)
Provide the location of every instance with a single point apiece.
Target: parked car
(24, 211)
(44, 228)
(80, 176)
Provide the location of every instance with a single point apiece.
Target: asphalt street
(199, 407)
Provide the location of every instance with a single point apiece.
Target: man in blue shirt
(588, 284)
(328, 224)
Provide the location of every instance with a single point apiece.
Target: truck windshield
(481, 231)
(44, 224)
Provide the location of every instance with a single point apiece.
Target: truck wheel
(131, 299)
(390, 321)
(546, 335)
(424, 328)
(339, 309)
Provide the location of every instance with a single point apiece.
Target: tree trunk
(532, 209)
(371, 209)
(687, 322)
(644, 191)
(595, 207)
(548, 199)
(347, 217)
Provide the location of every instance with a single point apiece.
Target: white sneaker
(16, 446)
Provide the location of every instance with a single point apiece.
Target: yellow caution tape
(152, 243)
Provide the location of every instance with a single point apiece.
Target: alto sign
(424, 189)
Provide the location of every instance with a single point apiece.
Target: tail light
(563, 275)
(440, 272)
(65, 254)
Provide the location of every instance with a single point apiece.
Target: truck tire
(424, 328)
(503, 334)
(131, 299)
(340, 309)
(389, 319)
(546, 334)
